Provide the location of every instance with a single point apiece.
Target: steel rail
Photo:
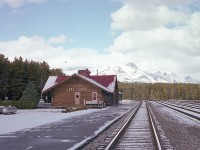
(134, 108)
(181, 111)
(113, 141)
(182, 107)
(153, 127)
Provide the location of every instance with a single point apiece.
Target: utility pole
(41, 88)
(65, 66)
(41, 100)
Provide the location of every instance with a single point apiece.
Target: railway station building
(81, 87)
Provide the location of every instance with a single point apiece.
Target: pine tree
(56, 72)
(4, 76)
(30, 93)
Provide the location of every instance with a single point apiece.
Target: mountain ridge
(130, 73)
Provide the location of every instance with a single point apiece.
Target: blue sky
(156, 35)
(85, 22)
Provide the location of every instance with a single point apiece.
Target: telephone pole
(65, 67)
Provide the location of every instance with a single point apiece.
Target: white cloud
(60, 39)
(145, 17)
(179, 3)
(39, 49)
(18, 3)
(159, 35)
(12, 3)
(36, 1)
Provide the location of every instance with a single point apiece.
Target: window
(94, 95)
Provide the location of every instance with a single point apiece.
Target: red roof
(104, 80)
(61, 78)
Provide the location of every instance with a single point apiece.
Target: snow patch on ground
(180, 117)
(25, 119)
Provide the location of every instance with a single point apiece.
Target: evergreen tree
(160, 91)
(4, 76)
(16, 78)
(56, 72)
(15, 75)
(30, 93)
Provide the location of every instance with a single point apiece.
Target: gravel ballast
(182, 131)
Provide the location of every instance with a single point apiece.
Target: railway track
(194, 107)
(188, 104)
(138, 132)
(189, 112)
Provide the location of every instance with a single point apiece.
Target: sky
(156, 35)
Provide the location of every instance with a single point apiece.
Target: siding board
(64, 94)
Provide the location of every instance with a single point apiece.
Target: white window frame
(94, 94)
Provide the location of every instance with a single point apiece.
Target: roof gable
(50, 82)
(104, 80)
(106, 83)
(95, 83)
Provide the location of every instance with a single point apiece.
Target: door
(94, 96)
(77, 96)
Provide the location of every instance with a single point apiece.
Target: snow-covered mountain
(131, 73)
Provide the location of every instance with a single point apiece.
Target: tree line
(16, 74)
(160, 91)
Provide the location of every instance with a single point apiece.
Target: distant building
(70, 90)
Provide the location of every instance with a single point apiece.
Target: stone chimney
(84, 72)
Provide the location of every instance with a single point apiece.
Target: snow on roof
(95, 83)
(50, 82)
(106, 82)
(111, 86)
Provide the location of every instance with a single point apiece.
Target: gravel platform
(182, 131)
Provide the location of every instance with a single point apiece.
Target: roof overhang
(107, 89)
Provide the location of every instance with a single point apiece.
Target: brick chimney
(84, 72)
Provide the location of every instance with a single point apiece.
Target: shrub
(74, 108)
(20, 104)
(29, 99)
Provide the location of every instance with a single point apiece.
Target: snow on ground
(178, 117)
(25, 119)
(184, 110)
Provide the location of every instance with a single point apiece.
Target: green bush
(20, 104)
(29, 99)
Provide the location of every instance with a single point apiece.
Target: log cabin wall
(64, 94)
